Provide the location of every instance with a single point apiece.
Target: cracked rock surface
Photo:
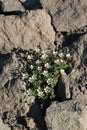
(66, 15)
(25, 24)
(68, 115)
(27, 32)
(76, 79)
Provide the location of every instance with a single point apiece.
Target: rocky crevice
(25, 26)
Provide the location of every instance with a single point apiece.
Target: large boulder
(27, 32)
(78, 73)
(66, 15)
(68, 115)
(73, 85)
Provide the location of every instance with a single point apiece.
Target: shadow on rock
(2, 12)
(37, 114)
(4, 59)
(31, 4)
(71, 38)
(84, 60)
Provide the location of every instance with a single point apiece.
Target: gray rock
(63, 87)
(66, 15)
(68, 115)
(12, 5)
(78, 73)
(3, 126)
(13, 98)
(16, 105)
(26, 32)
(74, 84)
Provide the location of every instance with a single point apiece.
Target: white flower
(29, 92)
(45, 73)
(24, 76)
(38, 62)
(39, 89)
(68, 55)
(34, 76)
(47, 89)
(44, 51)
(47, 65)
(30, 80)
(56, 61)
(38, 50)
(49, 81)
(39, 68)
(29, 57)
(44, 56)
(61, 55)
(55, 53)
(31, 67)
(61, 61)
(40, 92)
(62, 72)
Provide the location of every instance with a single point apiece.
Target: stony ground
(24, 25)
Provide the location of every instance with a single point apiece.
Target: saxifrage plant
(43, 69)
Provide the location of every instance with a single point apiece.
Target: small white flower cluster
(45, 73)
(44, 68)
(38, 50)
(50, 81)
(68, 56)
(40, 92)
(61, 55)
(32, 78)
(30, 57)
(31, 67)
(38, 62)
(62, 72)
(55, 53)
(47, 89)
(44, 56)
(39, 68)
(24, 76)
(45, 51)
(56, 61)
(29, 92)
(47, 65)
(61, 61)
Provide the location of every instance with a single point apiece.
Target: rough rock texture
(12, 5)
(17, 108)
(78, 73)
(68, 115)
(2, 126)
(26, 32)
(75, 82)
(66, 15)
(21, 32)
(63, 87)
